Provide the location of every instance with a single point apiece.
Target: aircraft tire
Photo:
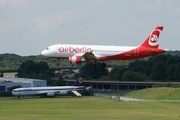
(103, 65)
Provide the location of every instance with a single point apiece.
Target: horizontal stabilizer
(76, 93)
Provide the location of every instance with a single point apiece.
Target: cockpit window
(15, 90)
(47, 48)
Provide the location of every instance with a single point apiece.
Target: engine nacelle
(63, 92)
(75, 60)
(50, 94)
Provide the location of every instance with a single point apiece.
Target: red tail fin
(152, 39)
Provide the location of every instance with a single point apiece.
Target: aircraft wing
(76, 93)
(89, 56)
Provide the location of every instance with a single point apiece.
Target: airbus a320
(77, 54)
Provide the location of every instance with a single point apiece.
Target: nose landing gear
(58, 61)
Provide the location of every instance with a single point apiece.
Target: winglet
(80, 80)
(152, 39)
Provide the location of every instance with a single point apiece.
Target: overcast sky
(29, 26)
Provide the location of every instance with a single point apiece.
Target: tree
(158, 71)
(134, 76)
(142, 66)
(116, 73)
(30, 69)
(93, 73)
(60, 81)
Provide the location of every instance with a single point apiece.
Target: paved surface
(130, 99)
(121, 98)
(133, 99)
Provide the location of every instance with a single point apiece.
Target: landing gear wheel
(58, 62)
(103, 65)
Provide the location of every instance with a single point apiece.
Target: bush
(168, 84)
(5, 94)
(86, 92)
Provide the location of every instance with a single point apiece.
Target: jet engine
(75, 59)
(63, 92)
(50, 94)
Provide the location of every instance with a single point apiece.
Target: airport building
(6, 82)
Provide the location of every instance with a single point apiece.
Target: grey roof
(17, 80)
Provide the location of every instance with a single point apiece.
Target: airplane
(77, 54)
(51, 91)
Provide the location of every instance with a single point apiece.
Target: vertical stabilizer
(80, 80)
(152, 39)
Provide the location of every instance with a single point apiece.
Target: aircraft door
(136, 52)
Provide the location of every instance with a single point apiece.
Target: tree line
(157, 68)
(41, 70)
(12, 62)
(164, 67)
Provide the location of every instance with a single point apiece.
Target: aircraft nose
(13, 93)
(43, 53)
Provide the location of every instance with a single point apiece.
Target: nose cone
(14, 93)
(46, 53)
(43, 53)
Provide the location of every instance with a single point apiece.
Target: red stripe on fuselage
(137, 53)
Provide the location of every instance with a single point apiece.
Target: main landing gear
(102, 65)
(58, 62)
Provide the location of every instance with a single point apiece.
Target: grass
(89, 108)
(161, 93)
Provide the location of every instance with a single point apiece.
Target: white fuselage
(92, 53)
(43, 90)
(65, 50)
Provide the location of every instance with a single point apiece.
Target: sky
(29, 26)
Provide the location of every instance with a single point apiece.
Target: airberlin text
(75, 49)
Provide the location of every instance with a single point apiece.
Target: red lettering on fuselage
(74, 49)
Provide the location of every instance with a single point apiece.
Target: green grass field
(85, 108)
(160, 93)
